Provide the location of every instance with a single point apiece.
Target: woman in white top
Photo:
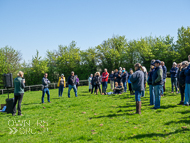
(90, 82)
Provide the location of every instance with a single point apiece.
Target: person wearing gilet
(61, 84)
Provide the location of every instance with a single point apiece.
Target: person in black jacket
(72, 84)
(98, 83)
(119, 78)
(182, 77)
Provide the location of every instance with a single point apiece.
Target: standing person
(111, 76)
(182, 77)
(72, 84)
(151, 87)
(119, 78)
(157, 81)
(145, 79)
(77, 82)
(115, 76)
(179, 70)
(61, 84)
(45, 89)
(90, 82)
(124, 80)
(187, 84)
(19, 85)
(105, 76)
(98, 82)
(93, 82)
(173, 73)
(164, 77)
(129, 82)
(137, 80)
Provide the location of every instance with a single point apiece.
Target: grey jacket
(137, 80)
(45, 82)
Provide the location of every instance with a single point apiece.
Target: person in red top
(105, 76)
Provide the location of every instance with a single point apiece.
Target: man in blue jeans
(72, 84)
(45, 89)
(173, 73)
(157, 81)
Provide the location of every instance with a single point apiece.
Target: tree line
(113, 53)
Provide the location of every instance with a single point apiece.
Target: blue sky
(28, 25)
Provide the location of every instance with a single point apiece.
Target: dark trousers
(93, 86)
(164, 88)
(97, 87)
(130, 87)
(19, 99)
(182, 91)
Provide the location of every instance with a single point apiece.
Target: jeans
(187, 93)
(61, 88)
(182, 91)
(19, 98)
(74, 88)
(125, 86)
(174, 83)
(164, 80)
(104, 87)
(152, 95)
(137, 96)
(45, 91)
(157, 93)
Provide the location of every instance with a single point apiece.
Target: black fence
(51, 86)
(39, 87)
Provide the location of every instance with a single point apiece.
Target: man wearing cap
(61, 84)
(72, 84)
(164, 76)
(157, 81)
(173, 73)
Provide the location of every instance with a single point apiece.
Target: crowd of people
(156, 79)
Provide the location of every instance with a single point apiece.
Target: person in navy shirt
(173, 73)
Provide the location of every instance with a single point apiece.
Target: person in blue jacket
(164, 68)
(125, 80)
(187, 85)
(173, 73)
(137, 79)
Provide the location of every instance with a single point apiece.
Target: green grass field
(96, 118)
